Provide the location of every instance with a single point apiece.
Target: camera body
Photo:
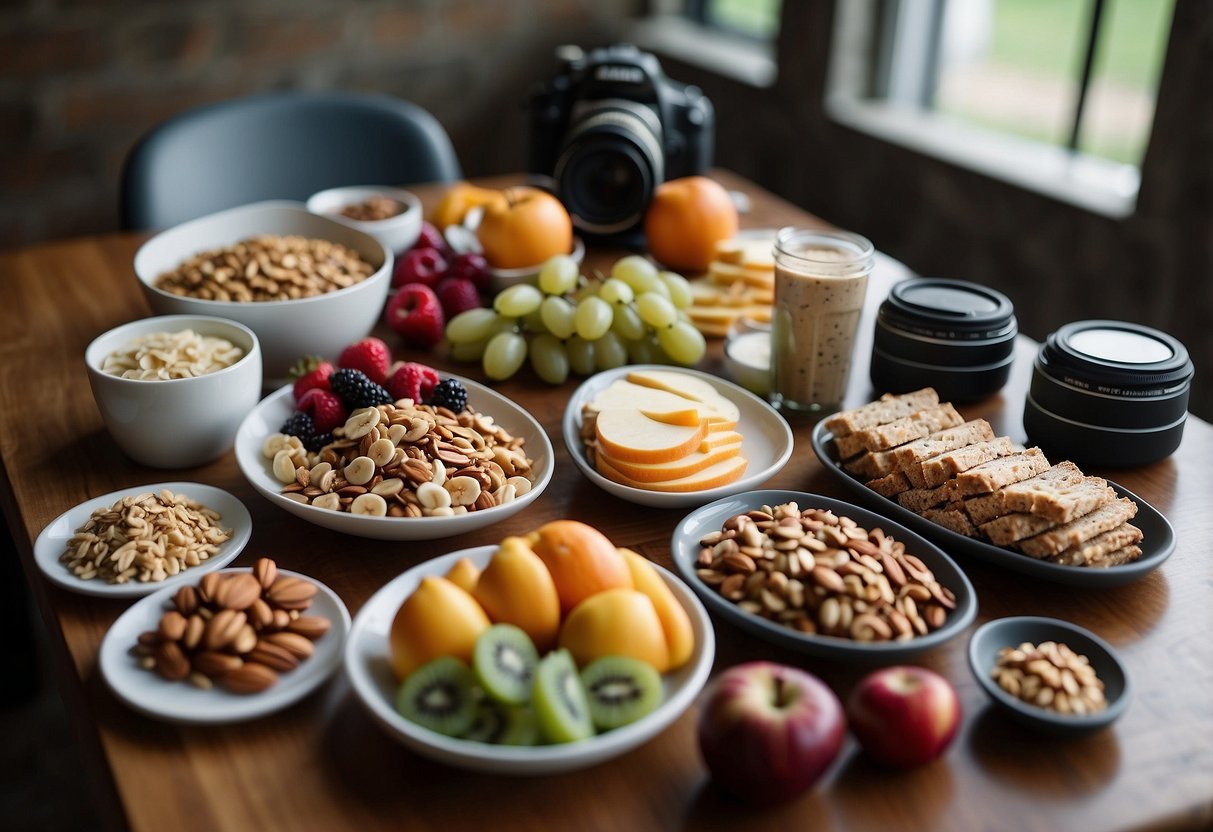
(609, 128)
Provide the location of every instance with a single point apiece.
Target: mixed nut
(818, 572)
(405, 460)
(238, 629)
(1050, 675)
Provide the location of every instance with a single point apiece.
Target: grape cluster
(570, 323)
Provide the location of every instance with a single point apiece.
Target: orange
(685, 221)
(524, 228)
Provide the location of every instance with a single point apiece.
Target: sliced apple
(716, 438)
(690, 464)
(627, 434)
(686, 418)
(686, 386)
(622, 393)
(722, 473)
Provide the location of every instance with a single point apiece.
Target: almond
(274, 656)
(238, 592)
(282, 620)
(186, 600)
(251, 677)
(207, 586)
(266, 571)
(171, 663)
(194, 628)
(298, 645)
(261, 614)
(223, 628)
(216, 665)
(245, 640)
(310, 626)
(172, 626)
(291, 593)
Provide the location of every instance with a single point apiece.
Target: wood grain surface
(323, 764)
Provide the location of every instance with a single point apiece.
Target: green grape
(533, 322)
(614, 290)
(645, 351)
(468, 350)
(683, 316)
(559, 316)
(610, 352)
(558, 275)
(627, 324)
(471, 325)
(503, 324)
(682, 342)
(636, 271)
(678, 287)
(503, 355)
(593, 318)
(549, 359)
(588, 289)
(655, 310)
(581, 355)
(518, 300)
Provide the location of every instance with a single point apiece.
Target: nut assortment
(146, 537)
(267, 268)
(168, 355)
(405, 460)
(817, 572)
(373, 209)
(1050, 675)
(240, 630)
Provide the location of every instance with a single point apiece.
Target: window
(1053, 94)
(734, 38)
(758, 19)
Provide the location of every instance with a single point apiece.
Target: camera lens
(606, 175)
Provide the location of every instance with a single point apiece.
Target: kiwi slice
(620, 690)
(559, 699)
(440, 695)
(499, 724)
(504, 661)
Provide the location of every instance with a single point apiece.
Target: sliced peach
(438, 619)
(581, 560)
(517, 588)
(690, 464)
(722, 473)
(618, 622)
(675, 623)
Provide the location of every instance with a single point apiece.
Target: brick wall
(81, 80)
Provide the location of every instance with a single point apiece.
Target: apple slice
(692, 463)
(629, 435)
(722, 473)
(686, 386)
(716, 438)
(686, 418)
(624, 394)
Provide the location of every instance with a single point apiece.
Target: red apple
(904, 716)
(767, 732)
(426, 266)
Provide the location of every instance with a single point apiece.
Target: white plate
(369, 671)
(53, 539)
(151, 694)
(274, 409)
(766, 440)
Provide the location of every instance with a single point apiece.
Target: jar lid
(1116, 357)
(953, 310)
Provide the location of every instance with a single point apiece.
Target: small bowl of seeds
(391, 215)
(1049, 674)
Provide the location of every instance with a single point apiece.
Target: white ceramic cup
(397, 234)
(176, 423)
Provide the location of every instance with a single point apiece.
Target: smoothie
(820, 281)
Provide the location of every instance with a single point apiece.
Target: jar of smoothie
(821, 278)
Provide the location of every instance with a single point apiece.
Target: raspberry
(415, 314)
(412, 381)
(325, 408)
(449, 394)
(370, 355)
(309, 372)
(299, 424)
(457, 294)
(356, 390)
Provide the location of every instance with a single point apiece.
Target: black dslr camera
(609, 128)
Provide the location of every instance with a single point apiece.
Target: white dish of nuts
(822, 576)
(99, 559)
(364, 514)
(154, 695)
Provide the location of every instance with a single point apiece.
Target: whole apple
(767, 732)
(904, 716)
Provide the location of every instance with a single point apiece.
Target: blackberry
(317, 441)
(299, 424)
(450, 394)
(356, 390)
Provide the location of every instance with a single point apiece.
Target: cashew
(464, 490)
(284, 466)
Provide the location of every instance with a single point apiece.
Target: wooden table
(323, 764)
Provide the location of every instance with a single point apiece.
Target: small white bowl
(369, 670)
(397, 234)
(504, 278)
(288, 329)
(181, 422)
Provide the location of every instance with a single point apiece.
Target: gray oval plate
(1157, 543)
(1010, 632)
(684, 548)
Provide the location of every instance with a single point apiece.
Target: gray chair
(283, 145)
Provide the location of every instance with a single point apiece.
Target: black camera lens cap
(1117, 353)
(952, 309)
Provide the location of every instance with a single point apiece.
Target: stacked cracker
(740, 282)
(914, 449)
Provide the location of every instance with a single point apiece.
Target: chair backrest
(284, 145)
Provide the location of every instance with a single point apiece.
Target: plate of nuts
(236, 645)
(1049, 674)
(822, 576)
(402, 471)
(138, 540)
